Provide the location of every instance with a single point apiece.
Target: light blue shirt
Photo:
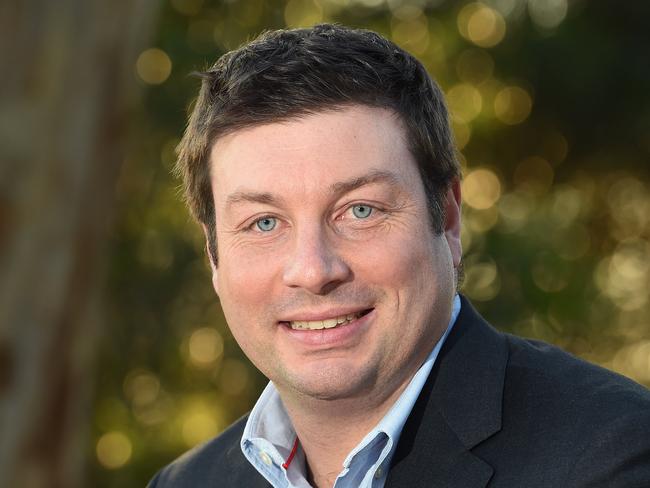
(269, 436)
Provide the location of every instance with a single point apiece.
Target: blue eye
(266, 224)
(362, 211)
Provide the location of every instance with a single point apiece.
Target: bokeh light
(481, 188)
(113, 450)
(482, 281)
(634, 360)
(464, 102)
(141, 387)
(205, 346)
(481, 220)
(199, 422)
(624, 277)
(629, 202)
(512, 105)
(548, 13)
(410, 29)
(510, 9)
(481, 24)
(406, 11)
(153, 66)
(567, 204)
(462, 133)
(514, 210)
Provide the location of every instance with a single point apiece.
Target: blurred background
(114, 354)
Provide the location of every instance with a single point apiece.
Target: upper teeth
(322, 324)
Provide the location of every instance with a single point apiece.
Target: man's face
(330, 276)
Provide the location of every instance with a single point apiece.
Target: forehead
(312, 152)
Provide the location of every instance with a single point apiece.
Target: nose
(314, 263)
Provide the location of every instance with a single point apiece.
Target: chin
(332, 384)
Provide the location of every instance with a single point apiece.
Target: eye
(266, 224)
(361, 211)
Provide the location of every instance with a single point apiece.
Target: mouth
(328, 323)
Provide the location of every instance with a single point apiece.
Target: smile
(326, 323)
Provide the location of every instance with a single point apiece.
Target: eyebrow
(339, 188)
(251, 197)
(375, 176)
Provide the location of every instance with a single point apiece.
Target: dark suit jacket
(496, 411)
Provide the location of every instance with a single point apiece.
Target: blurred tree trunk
(66, 88)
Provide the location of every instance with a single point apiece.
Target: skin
(319, 217)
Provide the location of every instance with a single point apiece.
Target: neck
(329, 429)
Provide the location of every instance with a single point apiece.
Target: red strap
(286, 464)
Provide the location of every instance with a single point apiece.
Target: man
(321, 167)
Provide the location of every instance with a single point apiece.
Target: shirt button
(266, 459)
(379, 473)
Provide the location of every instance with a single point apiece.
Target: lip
(339, 336)
(312, 315)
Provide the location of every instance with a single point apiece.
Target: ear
(213, 265)
(452, 221)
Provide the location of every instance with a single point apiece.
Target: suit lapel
(458, 408)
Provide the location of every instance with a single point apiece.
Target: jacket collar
(458, 408)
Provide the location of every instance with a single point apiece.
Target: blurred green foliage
(550, 106)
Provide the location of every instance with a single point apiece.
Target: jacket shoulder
(538, 369)
(582, 424)
(218, 462)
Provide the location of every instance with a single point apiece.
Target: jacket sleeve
(617, 455)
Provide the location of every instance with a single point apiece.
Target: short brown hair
(284, 74)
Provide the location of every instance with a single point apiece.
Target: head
(320, 164)
(290, 73)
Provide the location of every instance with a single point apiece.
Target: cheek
(244, 296)
(244, 286)
(402, 259)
